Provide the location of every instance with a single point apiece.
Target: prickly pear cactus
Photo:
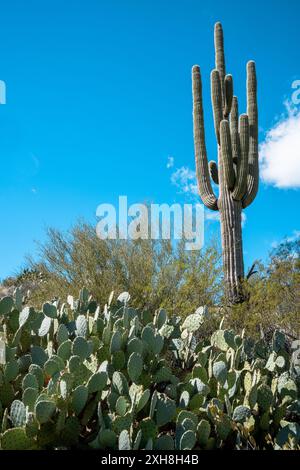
(74, 376)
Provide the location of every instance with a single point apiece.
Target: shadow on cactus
(75, 376)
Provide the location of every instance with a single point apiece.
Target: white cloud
(185, 179)
(280, 151)
(170, 162)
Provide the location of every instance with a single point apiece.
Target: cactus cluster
(75, 376)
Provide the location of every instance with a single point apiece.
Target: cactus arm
(253, 176)
(204, 185)
(234, 130)
(216, 98)
(226, 154)
(213, 171)
(234, 116)
(242, 167)
(228, 88)
(220, 57)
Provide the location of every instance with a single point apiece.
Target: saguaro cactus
(237, 169)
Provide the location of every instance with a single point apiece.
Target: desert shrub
(77, 376)
(274, 295)
(158, 273)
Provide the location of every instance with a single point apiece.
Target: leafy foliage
(157, 273)
(274, 295)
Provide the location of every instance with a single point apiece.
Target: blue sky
(99, 96)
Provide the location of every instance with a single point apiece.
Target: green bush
(77, 376)
(274, 295)
(158, 273)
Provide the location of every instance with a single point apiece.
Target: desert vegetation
(163, 348)
(77, 376)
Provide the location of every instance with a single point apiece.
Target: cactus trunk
(237, 169)
(232, 245)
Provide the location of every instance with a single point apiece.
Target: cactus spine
(237, 169)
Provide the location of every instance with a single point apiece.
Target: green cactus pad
(135, 345)
(223, 426)
(70, 433)
(38, 372)
(54, 365)
(164, 374)
(188, 440)
(184, 399)
(135, 366)
(44, 409)
(199, 372)
(24, 316)
(45, 326)
(149, 430)
(189, 425)
(278, 341)
(16, 439)
(164, 442)
(122, 422)
(118, 360)
(6, 304)
(161, 319)
(137, 441)
(79, 398)
(30, 381)
(241, 413)
(120, 383)
(66, 384)
(49, 310)
(121, 406)
(264, 397)
(24, 363)
(81, 326)
(192, 322)
(80, 347)
(218, 340)
(17, 413)
(62, 334)
(196, 402)
(29, 397)
(31, 425)
(107, 439)
(153, 340)
(220, 372)
(97, 382)
(116, 342)
(203, 432)
(11, 370)
(65, 350)
(38, 355)
(185, 414)
(124, 440)
(165, 409)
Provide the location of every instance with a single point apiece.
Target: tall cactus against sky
(237, 169)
